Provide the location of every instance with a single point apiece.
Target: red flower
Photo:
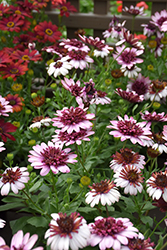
(65, 8)
(24, 39)
(27, 55)
(140, 37)
(20, 12)
(5, 128)
(4, 9)
(13, 70)
(15, 101)
(4, 58)
(11, 24)
(26, 5)
(142, 4)
(119, 8)
(48, 31)
(40, 3)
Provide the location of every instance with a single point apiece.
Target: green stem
(107, 210)
(77, 151)
(54, 189)
(157, 225)
(42, 211)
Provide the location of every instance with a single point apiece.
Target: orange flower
(38, 101)
(15, 101)
(140, 37)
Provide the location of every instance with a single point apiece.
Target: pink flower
(5, 107)
(154, 117)
(13, 178)
(164, 26)
(79, 59)
(127, 56)
(51, 157)
(111, 233)
(74, 44)
(73, 119)
(135, 10)
(24, 242)
(3, 245)
(159, 18)
(130, 96)
(140, 85)
(128, 128)
(71, 86)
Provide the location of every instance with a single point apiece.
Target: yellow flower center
(25, 57)
(18, 12)
(14, 71)
(17, 87)
(49, 32)
(164, 40)
(64, 8)
(10, 24)
(152, 44)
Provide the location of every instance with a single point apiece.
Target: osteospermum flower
(40, 121)
(5, 129)
(160, 142)
(27, 55)
(131, 40)
(100, 98)
(157, 185)
(127, 56)
(11, 23)
(24, 242)
(2, 223)
(127, 157)
(48, 31)
(14, 69)
(157, 91)
(14, 179)
(159, 18)
(154, 117)
(149, 29)
(71, 86)
(74, 44)
(51, 157)
(104, 192)
(130, 179)
(161, 204)
(130, 72)
(128, 128)
(1, 147)
(3, 245)
(79, 59)
(5, 107)
(130, 96)
(75, 137)
(67, 232)
(73, 119)
(15, 101)
(60, 67)
(134, 10)
(111, 233)
(115, 29)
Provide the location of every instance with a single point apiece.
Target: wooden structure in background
(100, 18)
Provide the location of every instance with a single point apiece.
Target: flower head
(161, 204)
(73, 119)
(17, 87)
(14, 179)
(128, 128)
(5, 107)
(2, 223)
(157, 185)
(15, 101)
(130, 179)
(159, 18)
(130, 96)
(127, 157)
(71, 86)
(154, 117)
(134, 10)
(60, 67)
(24, 242)
(51, 157)
(11, 23)
(111, 233)
(5, 129)
(65, 7)
(79, 59)
(67, 232)
(74, 44)
(104, 192)
(14, 69)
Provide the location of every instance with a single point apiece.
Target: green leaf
(36, 186)
(18, 224)
(9, 199)
(147, 220)
(87, 209)
(10, 206)
(38, 221)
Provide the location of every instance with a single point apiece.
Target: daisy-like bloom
(127, 157)
(157, 91)
(100, 98)
(130, 96)
(130, 40)
(14, 179)
(115, 29)
(5, 129)
(71, 86)
(48, 31)
(24, 242)
(128, 128)
(73, 119)
(4, 9)
(130, 72)
(5, 107)
(3, 245)
(101, 49)
(40, 3)
(51, 157)
(111, 233)
(130, 179)
(116, 73)
(74, 44)
(159, 18)
(38, 101)
(161, 204)
(104, 192)
(160, 142)
(2, 223)
(40, 121)
(164, 26)
(149, 29)
(27, 56)
(140, 85)
(11, 24)
(154, 117)
(79, 59)
(60, 67)
(14, 69)
(157, 185)
(4, 59)
(65, 8)
(134, 10)
(1, 146)
(20, 12)
(67, 232)
(15, 101)
(17, 87)
(127, 56)
(138, 243)
(74, 137)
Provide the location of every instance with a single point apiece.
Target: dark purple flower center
(129, 128)
(158, 137)
(128, 56)
(139, 244)
(66, 224)
(102, 187)
(108, 226)
(140, 87)
(161, 180)
(74, 136)
(54, 156)
(76, 90)
(73, 116)
(10, 176)
(58, 64)
(126, 157)
(132, 175)
(77, 55)
(75, 43)
(161, 20)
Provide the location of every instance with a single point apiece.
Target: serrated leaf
(36, 186)
(38, 221)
